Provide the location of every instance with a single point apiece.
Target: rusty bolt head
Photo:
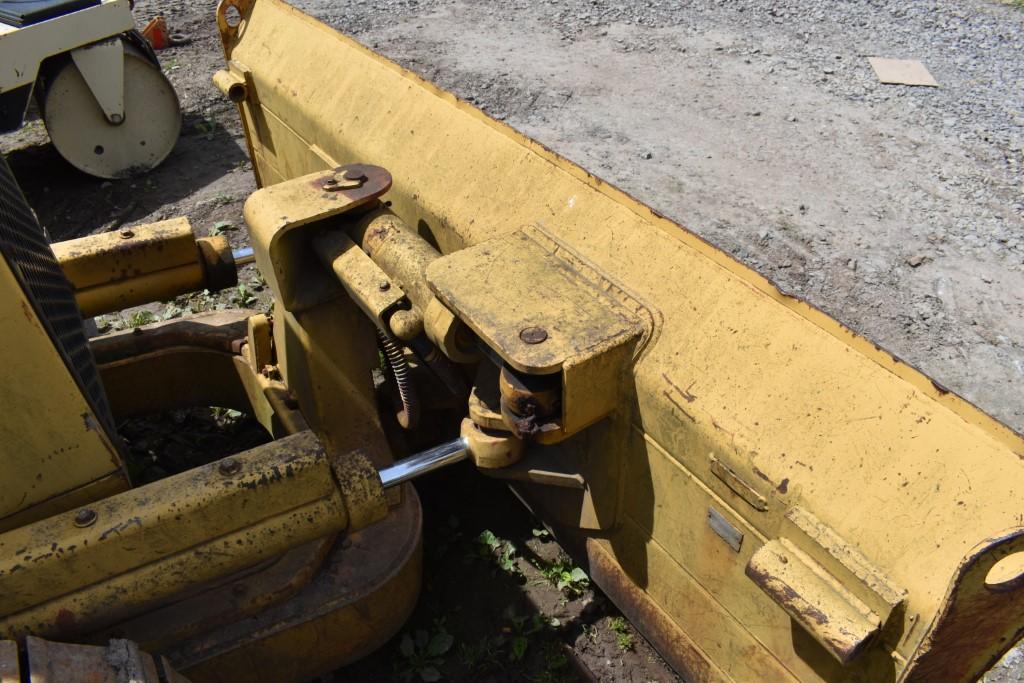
(384, 286)
(533, 335)
(127, 234)
(341, 182)
(354, 174)
(229, 466)
(85, 517)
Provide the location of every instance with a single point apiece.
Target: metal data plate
(512, 283)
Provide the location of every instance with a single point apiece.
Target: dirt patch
(513, 604)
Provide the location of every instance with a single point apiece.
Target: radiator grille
(30, 258)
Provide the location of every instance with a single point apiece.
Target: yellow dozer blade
(768, 495)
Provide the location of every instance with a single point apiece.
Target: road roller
(107, 106)
(765, 493)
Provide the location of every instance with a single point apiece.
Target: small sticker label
(728, 532)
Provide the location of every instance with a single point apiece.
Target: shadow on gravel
(71, 204)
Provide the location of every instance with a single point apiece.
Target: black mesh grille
(29, 256)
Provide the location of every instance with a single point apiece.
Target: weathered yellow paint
(802, 411)
(155, 262)
(56, 461)
(139, 548)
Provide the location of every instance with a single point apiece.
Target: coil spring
(395, 359)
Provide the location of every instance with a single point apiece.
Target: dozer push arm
(87, 569)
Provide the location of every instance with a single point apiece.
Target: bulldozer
(766, 494)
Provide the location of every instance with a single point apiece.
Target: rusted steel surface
(366, 591)
(396, 248)
(151, 543)
(213, 330)
(814, 600)
(119, 661)
(674, 645)
(227, 600)
(976, 613)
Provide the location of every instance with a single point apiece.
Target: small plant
(243, 296)
(225, 415)
(556, 665)
(140, 318)
(172, 311)
(521, 628)
(503, 552)
(623, 634)
(221, 227)
(484, 655)
(567, 577)
(257, 282)
(206, 127)
(423, 652)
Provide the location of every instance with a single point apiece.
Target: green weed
(566, 577)
(502, 551)
(623, 634)
(423, 652)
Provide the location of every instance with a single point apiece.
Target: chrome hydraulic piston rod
(417, 465)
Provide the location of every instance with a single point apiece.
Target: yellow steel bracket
(543, 317)
(284, 252)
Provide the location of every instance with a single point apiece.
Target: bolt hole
(1007, 573)
(232, 17)
(98, 150)
(142, 142)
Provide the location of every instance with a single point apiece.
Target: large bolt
(229, 466)
(533, 335)
(85, 517)
(348, 180)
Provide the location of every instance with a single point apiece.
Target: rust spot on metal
(675, 646)
(786, 596)
(66, 620)
(977, 625)
(30, 315)
(783, 486)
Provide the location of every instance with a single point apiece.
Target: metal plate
(511, 286)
